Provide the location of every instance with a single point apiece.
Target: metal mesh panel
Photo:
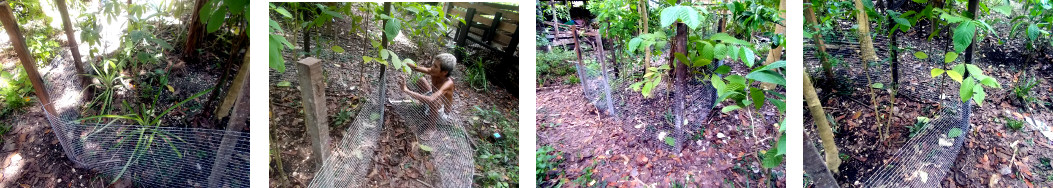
(924, 160)
(351, 160)
(596, 85)
(163, 156)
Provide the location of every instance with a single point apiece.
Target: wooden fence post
(510, 50)
(73, 47)
(19, 43)
(462, 35)
(309, 72)
(491, 32)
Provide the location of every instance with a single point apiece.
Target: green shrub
(475, 75)
(553, 66)
(14, 93)
(497, 159)
(1013, 124)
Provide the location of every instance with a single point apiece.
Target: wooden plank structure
(491, 25)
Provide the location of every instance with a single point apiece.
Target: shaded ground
(988, 154)
(597, 149)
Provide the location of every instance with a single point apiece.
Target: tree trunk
(866, 45)
(194, 33)
(225, 75)
(815, 167)
(679, 82)
(809, 14)
(643, 21)
(822, 124)
(776, 53)
(555, 25)
(307, 42)
(894, 46)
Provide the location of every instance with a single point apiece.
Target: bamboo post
(7, 18)
(73, 47)
(312, 87)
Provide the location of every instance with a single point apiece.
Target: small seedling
(1014, 124)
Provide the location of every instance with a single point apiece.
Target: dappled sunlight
(112, 29)
(12, 168)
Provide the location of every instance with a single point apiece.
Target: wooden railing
(491, 25)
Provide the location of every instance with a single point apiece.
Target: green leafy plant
(108, 80)
(475, 75)
(547, 159)
(775, 156)
(144, 137)
(14, 91)
(918, 126)
(277, 41)
(497, 158)
(1014, 124)
(1022, 90)
(972, 87)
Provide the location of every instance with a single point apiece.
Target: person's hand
(402, 83)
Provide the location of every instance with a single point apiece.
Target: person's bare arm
(413, 94)
(419, 69)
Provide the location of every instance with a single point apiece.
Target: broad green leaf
(275, 55)
(337, 49)
(774, 65)
(772, 159)
(768, 76)
(747, 57)
(965, 92)
(636, 86)
(963, 36)
(950, 57)
(723, 69)
(953, 18)
(921, 55)
(727, 109)
(781, 145)
(274, 25)
(974, 70)
(216, 20)
(633, 44)
(669, 140)
(979, 95)
(936, 72)
(425, 148)
(1033, 32)
(367, 59)
(283, 12)
(955, 75)
(391, 28)
(707, 51)
(954, 132)
(284, 84)
(724, 37)
(921, 1)
(1004, 9)
(757, 95)
(990, 82)
(720, 51)
(878, 85)
(685, 14)
(680, 57)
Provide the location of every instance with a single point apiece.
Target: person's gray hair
(446, 62)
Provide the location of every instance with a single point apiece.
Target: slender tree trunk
(679, 82)
(195, 32)
(809, 14)
(866, 45)
(643, 21)
(776, 53)
(822, 124)
(307, 42)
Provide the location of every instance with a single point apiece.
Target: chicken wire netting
(350, 161)
(925, 159)
(595, 85)
(168, 155)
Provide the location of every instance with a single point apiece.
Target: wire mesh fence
(925, 159)
(596, 85)
(432, 124)
(165, 155)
